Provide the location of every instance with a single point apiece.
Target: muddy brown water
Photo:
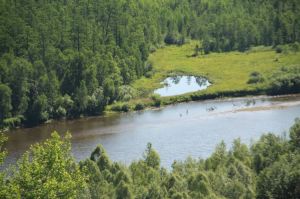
(176, 132)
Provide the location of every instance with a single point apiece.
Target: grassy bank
(229, 73)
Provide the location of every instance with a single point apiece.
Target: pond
(176, 132)
(178, 85)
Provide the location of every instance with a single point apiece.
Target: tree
(196, 50)
(281, 179)
(109, 90)
(123, 191)
(81, 97)
(218, 158)
(5, 102)
(7, 190)
(152, 158)
(21, 71)
(295, 134)
(49, 171)
(49, 48)
(101, 158)
(38, 111)
(267, 150)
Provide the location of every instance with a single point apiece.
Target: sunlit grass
(227, 71)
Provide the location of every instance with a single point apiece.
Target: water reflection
(178, 85)
(177, 131)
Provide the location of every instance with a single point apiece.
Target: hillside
(66, 59)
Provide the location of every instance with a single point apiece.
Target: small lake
(176, 132)
(178, 85)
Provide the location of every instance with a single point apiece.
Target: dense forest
(66, 58)
(270, 168)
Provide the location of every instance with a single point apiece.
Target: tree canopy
(69, 58)
(268, 169)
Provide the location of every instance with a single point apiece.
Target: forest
(70, 58)
(269, 168)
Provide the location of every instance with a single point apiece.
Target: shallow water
(182, 84)
(176, 132)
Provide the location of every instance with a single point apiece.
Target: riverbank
(149, 104)
(228, 72)
(189, 125)
(231, 74)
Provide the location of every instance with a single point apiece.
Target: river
(176, 131)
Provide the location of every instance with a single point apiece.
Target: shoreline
(148, 108)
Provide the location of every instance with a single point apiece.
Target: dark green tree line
(70, 58)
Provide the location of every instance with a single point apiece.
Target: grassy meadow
(228, 72)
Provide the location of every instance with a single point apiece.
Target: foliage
(48, 171)
(13, 122)
(295, 134)
(156, 100)
(285, 81)
(69, 58)
(139, 106)
(281, 179)
(5, 102)
(269, 169)
(228, 72)
(255, 77)
(71, 48)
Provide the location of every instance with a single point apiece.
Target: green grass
(228, 72)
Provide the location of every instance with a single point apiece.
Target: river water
(176, 132)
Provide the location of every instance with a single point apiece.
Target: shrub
(116, 107)
(279, 49)
(287, 84)
(149, 74)
(125, 108)
(295, 47)
(60, 112)
(174, 38)
(139, 106)
(152, 49)
(156, 99)
(255, 77)
(126, 93)
(13, 122)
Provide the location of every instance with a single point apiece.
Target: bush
(152, 49)
(139, 106)
(66, 103)
(295, 134)
(126, 93)
(149, 74)
(285, 82)
(156, 99)
(13, 122)
(295, 47)
(255, 77)
(116, 107)
(125, 108)
(60, 112)
(121, 107)
(174, 38)
(279, 49)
